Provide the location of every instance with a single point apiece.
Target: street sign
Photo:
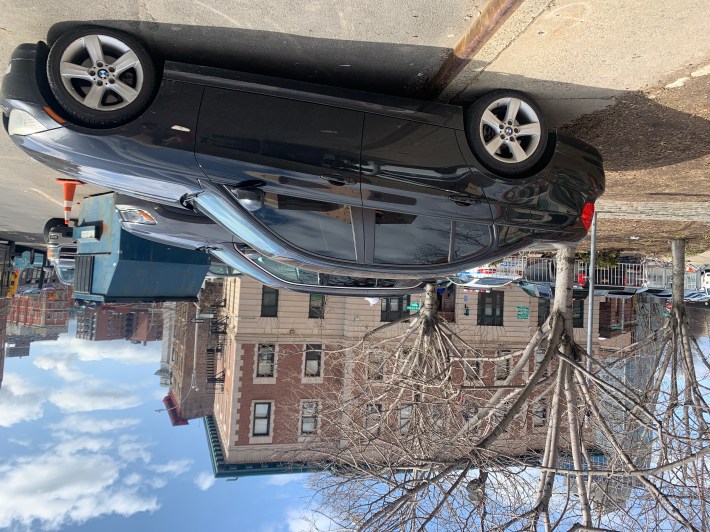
(205, 315)
(523, 313)
(413, 306)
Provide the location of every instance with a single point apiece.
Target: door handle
(462, 199)
(338, 180)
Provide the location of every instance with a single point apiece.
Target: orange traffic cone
(69, 189)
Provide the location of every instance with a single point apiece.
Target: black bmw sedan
(340, 181)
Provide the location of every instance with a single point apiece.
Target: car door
(403, 239)
(419, 169)
(286, 146)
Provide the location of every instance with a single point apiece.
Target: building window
(309, 417)
(269, 302)
(316, 306)
(266, 360)
(393, 308)
(376, 371)
(472, 370)
(405, 419)
(539, 356)
(313, 360)
(437, 417)
(373, 418)
(578, 313)
(540, 413)
(543, 311)
(502, 366)
(490, 308)
(262, 419)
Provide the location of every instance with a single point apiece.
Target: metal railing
(650, 274)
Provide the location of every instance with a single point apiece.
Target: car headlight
(23, 123)
(136, 216)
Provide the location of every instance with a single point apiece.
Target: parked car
(488, 276)
(546, 290)
(334, 180)
(175, 225)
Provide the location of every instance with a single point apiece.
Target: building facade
(286, 359)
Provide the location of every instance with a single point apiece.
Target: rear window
(316, 226)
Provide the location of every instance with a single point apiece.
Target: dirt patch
(650, 238)
(656, 147)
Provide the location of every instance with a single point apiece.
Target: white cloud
(308, 520)
(204, 481)
(133, 451)
(21, 443)
(64, 356)
(93, 397)
(73, 446)
(282, 480)
(63, 367)
(20, 401)
(67, 485)
(90, 425)
(174, 467)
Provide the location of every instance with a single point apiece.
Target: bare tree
(612, 440)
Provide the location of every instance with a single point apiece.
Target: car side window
(470, 239)
(411, 239)
(317, 226)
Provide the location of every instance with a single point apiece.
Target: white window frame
(272, 378)
(540, 406)
(261, 438)
(539, 356)
(376, 372)
(309, 378)
(305, 435)
(438, 418)
(406, 413)
(474, 367)
(502, 362)
(373, 418)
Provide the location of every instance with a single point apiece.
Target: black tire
(479, 133)
(51, 224)
(116, 110)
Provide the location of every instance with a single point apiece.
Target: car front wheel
(101, 77)
(507, 132)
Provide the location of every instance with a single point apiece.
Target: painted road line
(45, 195)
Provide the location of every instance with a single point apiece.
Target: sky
(82, 448)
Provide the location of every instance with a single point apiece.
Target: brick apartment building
(4, 313)
(48, 307)
(282, 356)
(120, 321)
(189, 352)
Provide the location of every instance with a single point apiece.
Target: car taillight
(588, 215)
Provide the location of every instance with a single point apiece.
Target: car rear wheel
(101, 77)
(507, 132)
